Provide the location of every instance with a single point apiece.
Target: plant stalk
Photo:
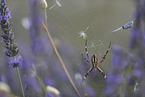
(20, 82)
(60, 59)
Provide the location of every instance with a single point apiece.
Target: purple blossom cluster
(116, 77)
(128, 68)
(37, 43)
(7, 35)
(137, 47)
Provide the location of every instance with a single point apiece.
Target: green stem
(19, 77)
(42, 86)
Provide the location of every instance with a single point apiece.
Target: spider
(94, 62)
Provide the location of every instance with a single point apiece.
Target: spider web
(77, 20)
(97, 19)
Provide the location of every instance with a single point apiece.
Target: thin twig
(60, 59)
(45, 17)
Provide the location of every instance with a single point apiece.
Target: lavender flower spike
(7, 35)
(8, 38)
(16, 62)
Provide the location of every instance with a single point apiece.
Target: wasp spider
(94, 61)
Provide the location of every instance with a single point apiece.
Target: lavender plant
(37, 43)
(11, 48)
(116, 77)
(130, 81)
(136, 45)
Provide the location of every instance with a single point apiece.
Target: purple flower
(144, 38)
(137, 43)
(110, 89)
(135, 33)
(32, 86)
(7, 34)
(16, 62)
(5, 12)
(137, 73)
(3, 78)
(12, 50)
(0, 17)
(49, 81)
(37, 44)
(115, 78)
(117, 75)
(50, 95)
(116, 56)
(119, 58)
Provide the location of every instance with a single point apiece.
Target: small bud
(53, 90)
(43, 4)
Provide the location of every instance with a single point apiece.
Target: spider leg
(104, 55)
(86, 50)
(101, 71)
(88, 72)
(85, 58)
